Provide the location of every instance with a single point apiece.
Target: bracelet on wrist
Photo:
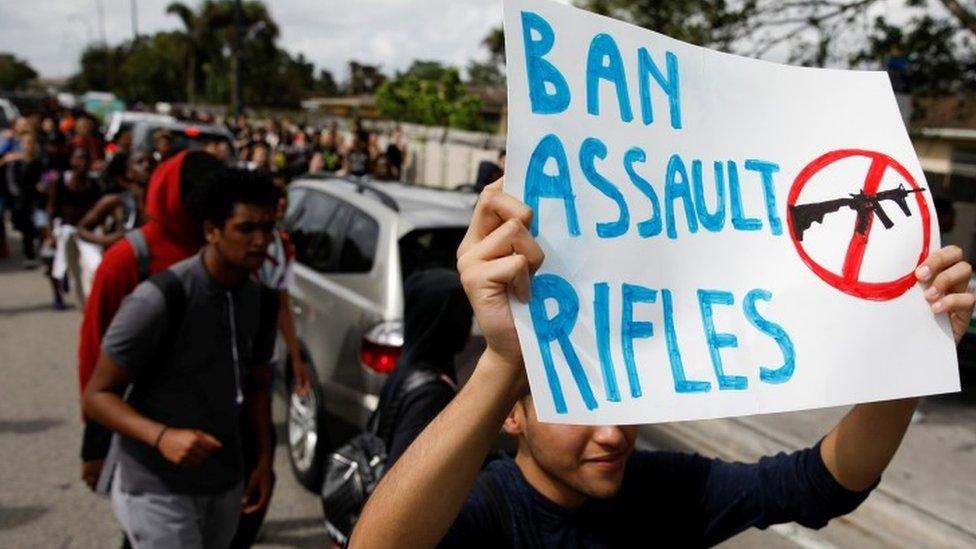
(159, 437)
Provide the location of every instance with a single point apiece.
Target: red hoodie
(171, 236)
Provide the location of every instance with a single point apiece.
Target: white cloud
(51, 34)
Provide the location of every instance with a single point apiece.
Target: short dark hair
(215, 201)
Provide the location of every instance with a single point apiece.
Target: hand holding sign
(948, 276)
(496, 256)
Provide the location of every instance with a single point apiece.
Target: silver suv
(355, 243)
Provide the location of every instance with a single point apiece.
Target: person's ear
(515, 422)
(210, 231)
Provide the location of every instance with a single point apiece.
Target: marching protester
(71, 196)
(436, 326)
(168, 236)
(587, 485)
(195, 342)
(121, 211)
(22, 177)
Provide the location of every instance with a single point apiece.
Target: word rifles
(804, 215)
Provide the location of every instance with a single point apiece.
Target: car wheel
(307, 440)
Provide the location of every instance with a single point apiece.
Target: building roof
(950, 112)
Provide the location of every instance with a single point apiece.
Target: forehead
(255, 213)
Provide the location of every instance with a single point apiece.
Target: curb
(886, 516)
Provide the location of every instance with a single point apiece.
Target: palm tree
(192, 31)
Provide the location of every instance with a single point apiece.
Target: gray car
(355, 243)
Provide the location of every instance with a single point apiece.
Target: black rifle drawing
(865, 205)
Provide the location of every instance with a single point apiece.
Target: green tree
(363, 78)
(937, 38)
(430, 94)
(194, 26)
(714, 23)
(485, 73)
(325, 84)
(99, 68)
(15, 73)
(151, 70)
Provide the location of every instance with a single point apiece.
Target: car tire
(306, 434)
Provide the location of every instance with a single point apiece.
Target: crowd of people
(71, 195)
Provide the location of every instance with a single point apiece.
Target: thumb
(210, 441)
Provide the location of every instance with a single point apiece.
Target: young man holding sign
(586, 485)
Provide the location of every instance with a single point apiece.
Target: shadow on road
(291, 533)
(12, 517)
(29, 426)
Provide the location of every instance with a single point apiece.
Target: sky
(50, 34)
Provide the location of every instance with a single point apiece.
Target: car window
(430, 248)
(359, 246)
(314, 226)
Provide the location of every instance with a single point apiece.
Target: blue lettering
(558, 328)
(673, 188)
(670, 84)
(716, 341)
(540, 185)
(541, 72)
(767, 169)
(681, 383)
(591, 149)
(775, 331)
(735, 196)
(711, 221)
(652, 226)
(631, 330)
(601, 310)
(604, 63)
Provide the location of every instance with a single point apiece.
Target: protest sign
(723, 235)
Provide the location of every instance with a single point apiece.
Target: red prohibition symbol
(848, 280)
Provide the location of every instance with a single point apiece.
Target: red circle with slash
(848, 280)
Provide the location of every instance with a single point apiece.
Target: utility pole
(135, 20)
(100, 9)
(237, 93)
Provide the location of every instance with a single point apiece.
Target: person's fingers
(510, 238)
(494, 208)
(264, 495)
(955, 303)
(953, 279)
(511, 271)
(209, 441)
(938, 262)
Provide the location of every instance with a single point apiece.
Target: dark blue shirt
(666, 499)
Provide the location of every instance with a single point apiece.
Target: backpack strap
(383, 420)
(141, 248)
(175, 296)
(501, 514)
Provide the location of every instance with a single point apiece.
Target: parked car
(355, 242)
(8, 113)
(185, 135)
(124, 120)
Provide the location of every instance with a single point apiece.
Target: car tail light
(112, 147)
(191, 132)
(381, 346)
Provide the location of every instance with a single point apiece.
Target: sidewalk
(927, 497)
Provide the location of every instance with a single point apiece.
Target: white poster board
(723, 236)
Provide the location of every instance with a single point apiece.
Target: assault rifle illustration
(804, 215)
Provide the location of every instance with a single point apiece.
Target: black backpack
(353, 471)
